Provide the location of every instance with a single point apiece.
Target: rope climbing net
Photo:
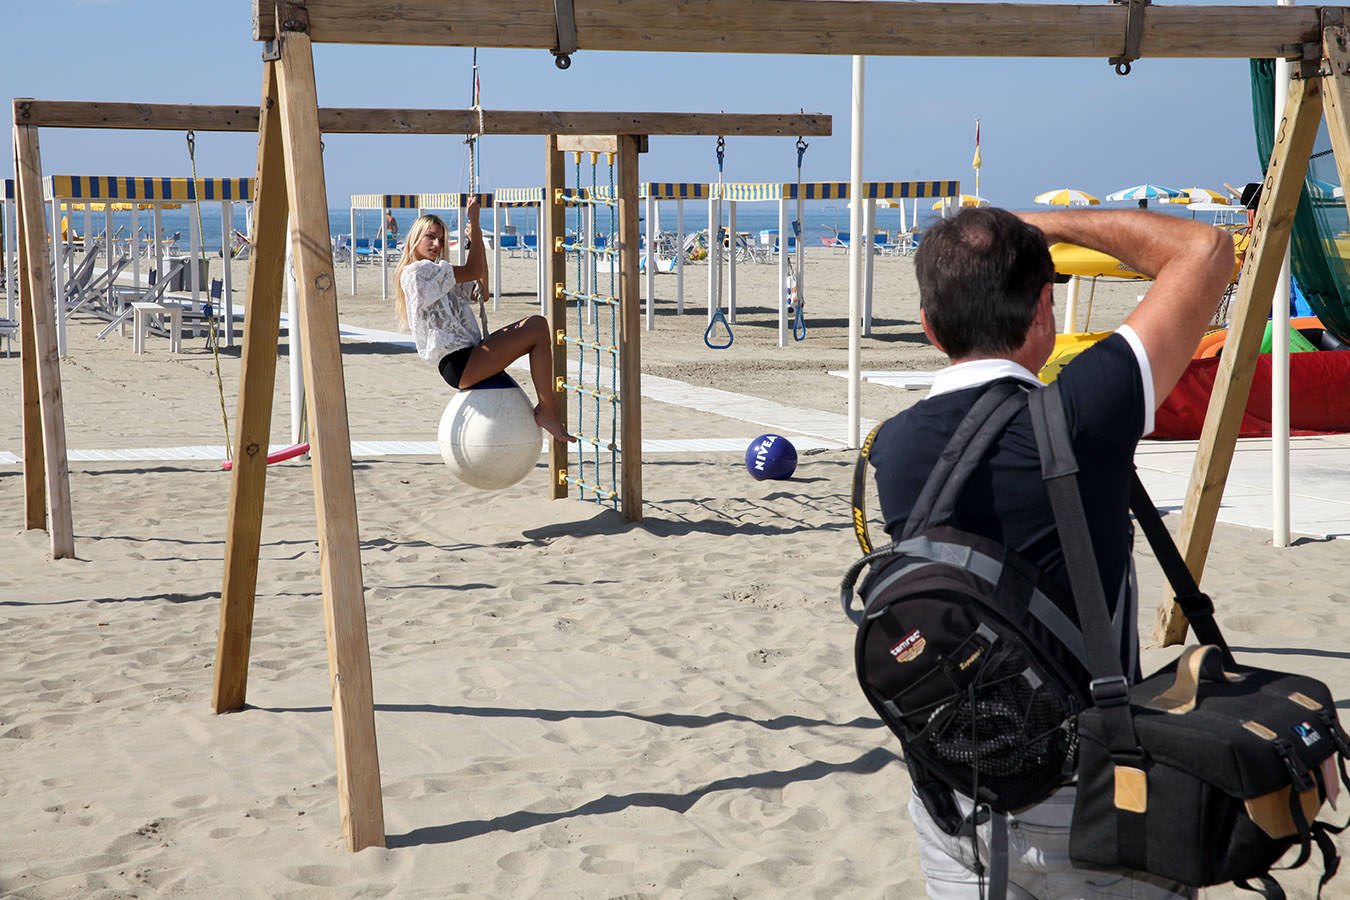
(594, 259)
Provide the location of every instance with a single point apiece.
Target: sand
(567, 705)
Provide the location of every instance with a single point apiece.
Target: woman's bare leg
(503, 347)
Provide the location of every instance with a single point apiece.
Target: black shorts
(452, 366)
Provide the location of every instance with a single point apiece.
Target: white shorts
(1039, 867)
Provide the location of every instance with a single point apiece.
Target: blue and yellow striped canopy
(119, 187)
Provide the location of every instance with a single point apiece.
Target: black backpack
(1204, 772)
(962, 648)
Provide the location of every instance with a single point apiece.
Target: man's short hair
(980, 276)
(1251, 195)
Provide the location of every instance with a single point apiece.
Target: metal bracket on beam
(271, 51)
(565, 17)
(292, 17)
(1308, 62)
(1134, 35)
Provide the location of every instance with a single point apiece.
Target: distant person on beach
(390, 228)
(433, 299)
(986, 300)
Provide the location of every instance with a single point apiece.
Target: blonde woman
(433, 300)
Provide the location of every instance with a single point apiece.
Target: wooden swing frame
(290, 125)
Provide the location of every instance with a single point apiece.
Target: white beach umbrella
(1200, 195)
(1143, 193)
(1067, 197)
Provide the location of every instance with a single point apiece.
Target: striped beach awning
(675, 190)
(525, 196)
(150, 190)
(384, 201)
(452, 201)
(839, 190)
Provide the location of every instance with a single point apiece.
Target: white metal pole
(159, 244)
(679, 257)
(651, 260)
(351, 245)
(1071, 305)
(539, 258)
(496, 256)
(227, 276)
(782, 268)
(135, 245)
(194, 264)
(1279, 360)
(11, 300)
(384, 254)
(714, 226)
(58, 267)
(870, 227)
(855, 260)
(732, 240)
(293, 337)
(108, 244)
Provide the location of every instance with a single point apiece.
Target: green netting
(1320, 243)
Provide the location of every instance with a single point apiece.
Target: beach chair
(531, 244)
(7, 329)
(124, 298)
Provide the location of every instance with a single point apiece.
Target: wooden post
(34, 481)
(38, 304)
(630, 330)
(359, 796)
(553, 218)
(1232, 383)
(253, 420)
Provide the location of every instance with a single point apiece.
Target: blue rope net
(590, 254)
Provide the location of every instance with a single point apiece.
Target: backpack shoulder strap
(986, 418)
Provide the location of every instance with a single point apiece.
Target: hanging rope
(798, 296)
(480, 289)
(210, 312)
(714, 246)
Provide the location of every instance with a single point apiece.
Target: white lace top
(440, 311)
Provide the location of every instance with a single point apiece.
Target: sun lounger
(7, 329)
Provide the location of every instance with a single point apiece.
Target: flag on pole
(977, 162)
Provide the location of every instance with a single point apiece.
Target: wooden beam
(39, 308)
(253, 421)
(1336, 98)
(34, 462)
(337, 120)
(630, 330)
(1233, 381)
(555, 275)
(597, 143)
(839, 27)
(359, 796)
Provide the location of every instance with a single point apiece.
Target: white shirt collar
(983, 371)
(978, 372)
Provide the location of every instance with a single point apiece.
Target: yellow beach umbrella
(1199, 195)
(962, 200)
(1067, 197)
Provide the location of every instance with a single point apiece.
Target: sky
(1044, 123)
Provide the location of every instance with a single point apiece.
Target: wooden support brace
(359, 795)
(253, 420)
(555, 273)
(1233, 381)
(630, 329)
(38, 308)
(34, 479)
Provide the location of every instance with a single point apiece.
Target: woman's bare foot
(553, 425)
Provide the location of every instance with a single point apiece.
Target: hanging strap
(1109, 689)
(1195, 603)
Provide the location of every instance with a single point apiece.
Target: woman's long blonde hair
(410, 243)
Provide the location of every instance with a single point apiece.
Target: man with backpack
(986, 299)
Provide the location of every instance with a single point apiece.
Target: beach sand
(567, 705)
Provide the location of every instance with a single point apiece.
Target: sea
(822, 220)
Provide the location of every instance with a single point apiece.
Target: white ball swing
(488, 436)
